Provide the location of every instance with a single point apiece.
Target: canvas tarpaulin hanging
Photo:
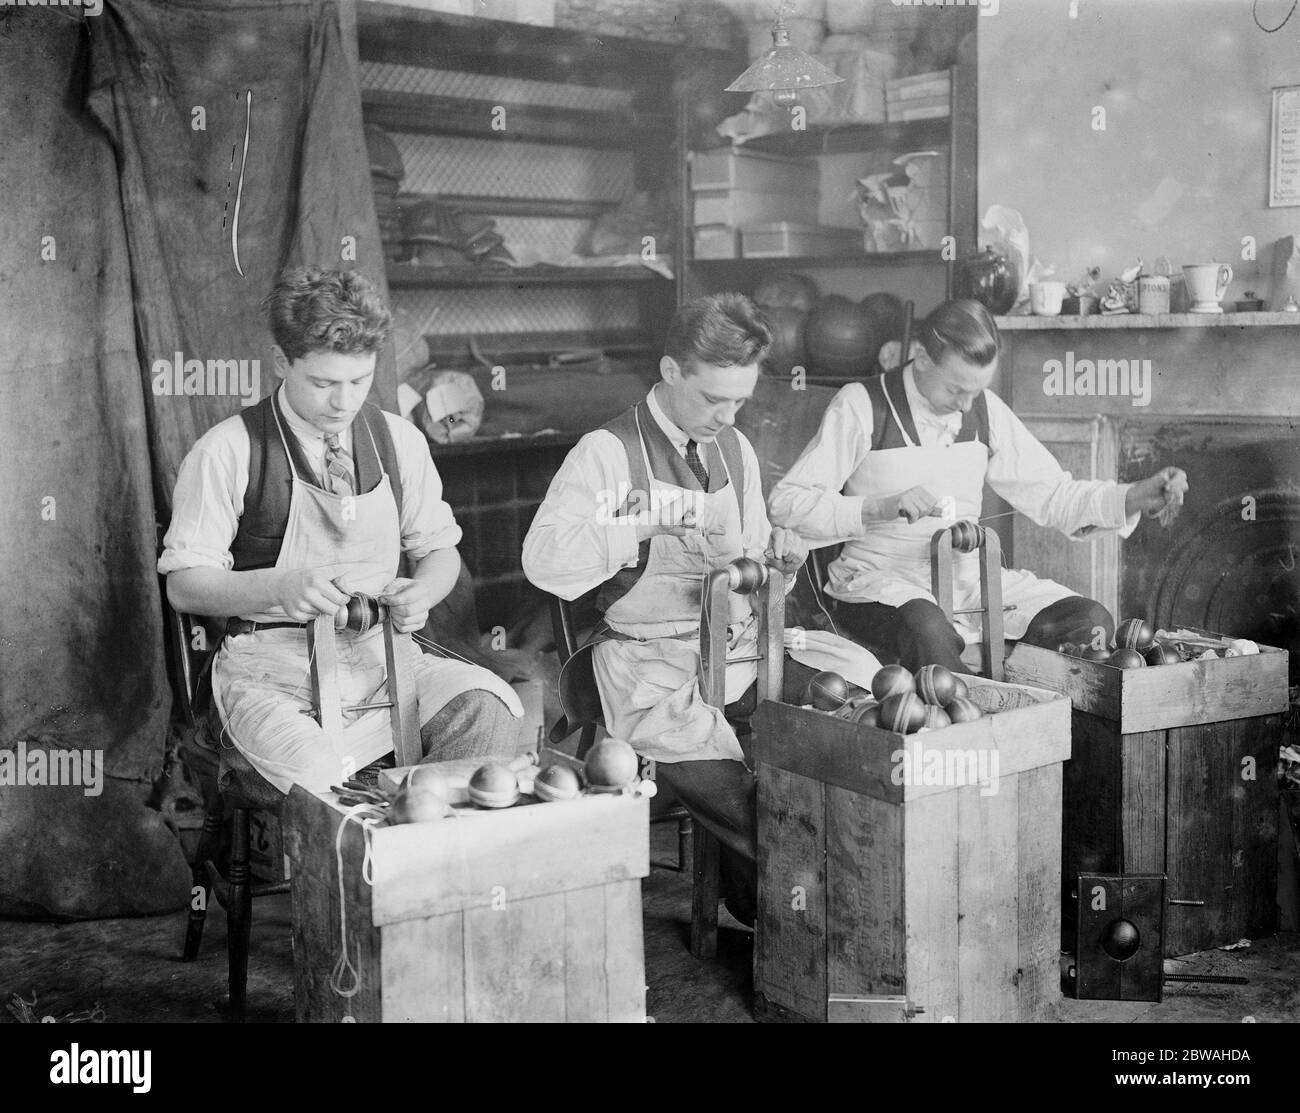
(210, 109)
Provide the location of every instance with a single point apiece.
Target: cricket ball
(962, 710)
(959, 689)
(826, 691)
(745, 575)
(556, 782)
(936, 685)
(1121, 941)
(494, 785)
(1125, 658)
(967, 536)
(1095, 653)
(892, 680)
(611, 765)
(936, 718)
(420, 799)
(1162, 655)
(903, 713)
(1133, 633)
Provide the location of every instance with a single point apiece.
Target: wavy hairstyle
(312, 309)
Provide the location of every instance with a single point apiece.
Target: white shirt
(808, 499)
(213, 478)
(572, 546)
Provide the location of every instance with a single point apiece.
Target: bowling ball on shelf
(611, 764)
(826, 691)
(1133, 633)
(903, 713)
(556, 782)
(886, 313)
(494, 785)
(787, 350)
(936, 718)
(1125, 658)
(840, 339)
(962, 710)
(1162, 655)
(935, 684)
(786, 290)
(892, 680)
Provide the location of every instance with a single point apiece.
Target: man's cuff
(848, 516)
(624, 548)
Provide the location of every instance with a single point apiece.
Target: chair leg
(239, 913)
(684, 830)
(199, 874)
(705, 894)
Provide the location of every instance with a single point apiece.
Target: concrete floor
(131, 969)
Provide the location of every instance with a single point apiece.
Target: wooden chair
(242, 789)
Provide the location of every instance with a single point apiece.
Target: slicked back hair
(721, 330)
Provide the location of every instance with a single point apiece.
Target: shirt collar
(922, 411)
(304, 429)
(671, 431)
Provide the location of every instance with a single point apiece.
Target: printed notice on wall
(1284, 153)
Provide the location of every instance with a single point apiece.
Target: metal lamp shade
(784, 70)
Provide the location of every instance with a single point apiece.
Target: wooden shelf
(841, 138)
(402, 35)
(483, 205)
(412, 276)
(421, 114)
(1099, 321)
(883, 258)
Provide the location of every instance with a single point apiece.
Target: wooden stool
(966, 537)
(744, 576)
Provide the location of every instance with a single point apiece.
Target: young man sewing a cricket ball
(645, 508)
(285, 511)
(902, 454)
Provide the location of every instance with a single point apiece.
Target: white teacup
(1206, 285)
(1045, 298)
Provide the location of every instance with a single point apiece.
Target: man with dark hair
(644, 509)
(287, 510)
(898, 454)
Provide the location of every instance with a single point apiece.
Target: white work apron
(891, 563)
(261, 681)
(650, 689)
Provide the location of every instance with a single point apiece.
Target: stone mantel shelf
(1147, 321)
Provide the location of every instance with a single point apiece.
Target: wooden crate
(887, 901)
(1173, 773)
(531, 913)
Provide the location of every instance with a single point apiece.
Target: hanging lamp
(784, 71)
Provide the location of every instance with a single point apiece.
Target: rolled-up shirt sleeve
(428, 523)
(207, 502)
(577, 540)
(809, 498)
(1024, 473)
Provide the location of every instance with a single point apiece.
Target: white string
(440, 648)
(369, 817)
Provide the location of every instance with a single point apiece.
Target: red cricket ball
(1125, 658)
(892, 680)
(826, 691)
(903, 713)
(935, 684)
(962, 710)
(1133, 633)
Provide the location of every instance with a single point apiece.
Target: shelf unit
(588, 119)
(859, 274)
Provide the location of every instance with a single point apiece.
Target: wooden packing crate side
(790, 959)
(948, 898)
(1159, 697)
(558, 937)
(1225, 855)
(886, 766)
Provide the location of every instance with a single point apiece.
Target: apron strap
(733, 460)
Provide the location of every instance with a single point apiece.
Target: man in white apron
(897, 455)
(644, 508)
(285, 511)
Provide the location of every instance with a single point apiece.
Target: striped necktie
(696, 465)
(339, 466)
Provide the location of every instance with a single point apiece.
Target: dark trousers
(917, 633)
(721, 795)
